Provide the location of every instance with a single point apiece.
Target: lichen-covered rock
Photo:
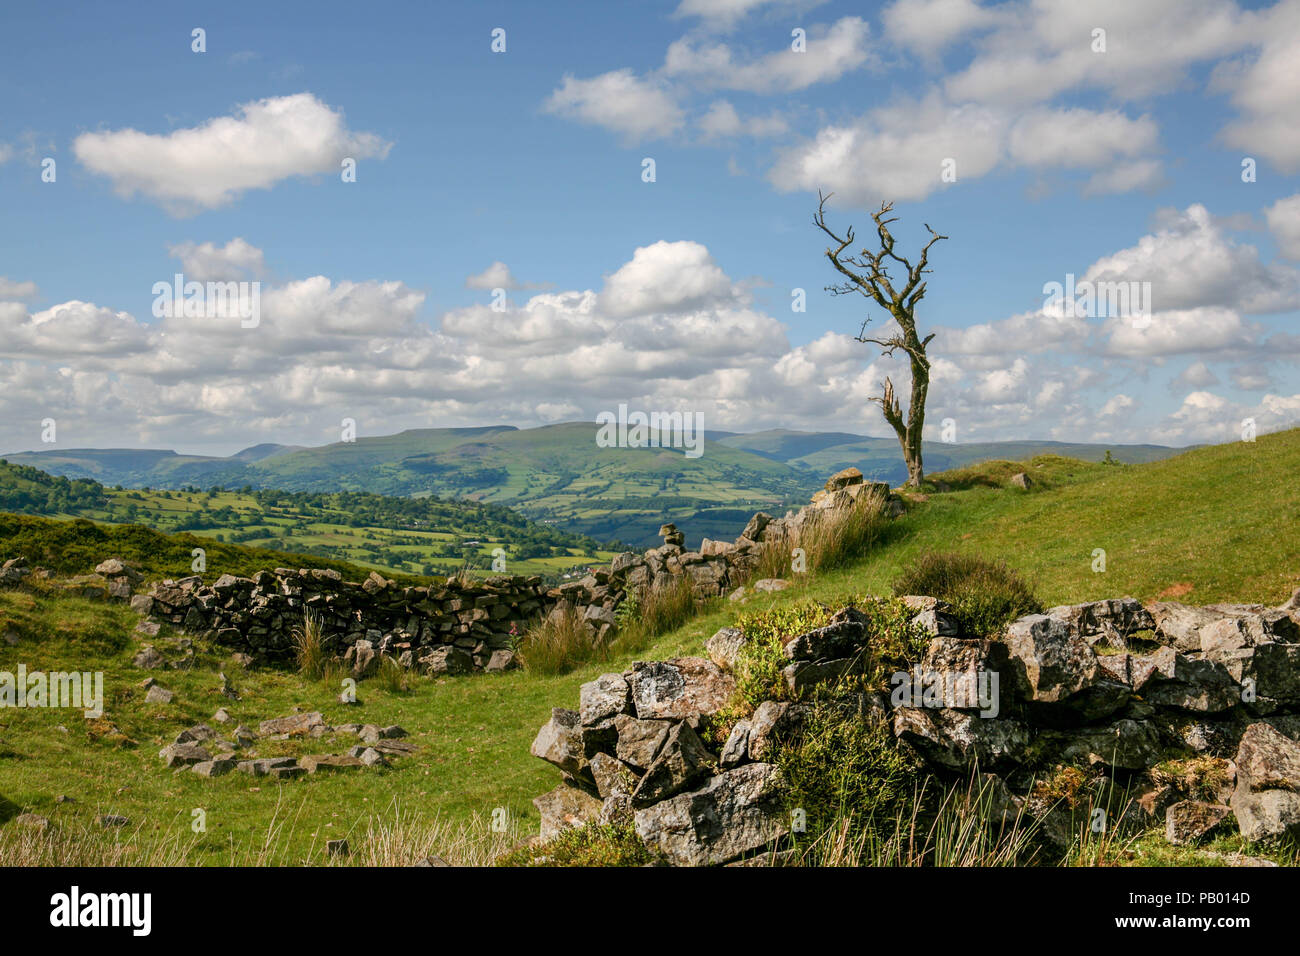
(844, 634)
(613, 777)
(1191, 821)
(1112, 622)
(1265, 814)
(682, 760)
(604, 698)
(447, 660)
(958, 673)
(1185, 627)
(772, 722)
(1125, 744)
(734, 813)
(157, 694)
(320, 763)
(680, 688)
(638, 741)
(1185, 683)
(295, 725)
(148, 659)
(560, 743)
(362, 658)
(956, 739)
(565, 808)
(183, 754)
(736, 750)
(802, 677)
(724, 647)
(1268, 759)
(1056, 666)
(844, 478)
(1275, 670)
(215, 767)
(933, 616)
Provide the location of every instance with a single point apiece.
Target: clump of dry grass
(828, 539)
(406, 839)
(309, 646)
(559, 643)
(651, 611)
(84, 846)
(392, 676)
(397, 838)
(967, 828)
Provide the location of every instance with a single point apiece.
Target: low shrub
(590, 845)
(895, 643)
(984, 595)
(841, 765)
(868, 802)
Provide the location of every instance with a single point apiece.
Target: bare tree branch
(868, 274)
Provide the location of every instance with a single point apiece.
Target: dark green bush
(592, 845)
(844, 766)
(984, 595)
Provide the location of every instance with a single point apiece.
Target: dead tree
(868, 275)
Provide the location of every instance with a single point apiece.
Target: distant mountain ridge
(558, 474)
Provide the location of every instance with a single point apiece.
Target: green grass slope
(1220, 523)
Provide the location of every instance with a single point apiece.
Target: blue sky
(224, 164)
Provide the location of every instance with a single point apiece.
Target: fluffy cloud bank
(668, 329)
(203, 167)
(1001, 103)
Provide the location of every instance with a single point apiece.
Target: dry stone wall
(1116, 686)
(467, 625)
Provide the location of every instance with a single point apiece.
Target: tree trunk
(916, 421)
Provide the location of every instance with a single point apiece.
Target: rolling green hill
(77, 546)
(557, 475)
(422, 536)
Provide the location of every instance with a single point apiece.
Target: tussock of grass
(309, 647)
(392, 676)
(985, 595)
(647, 614)
(407, 838)
(829, 539)
(558, 644)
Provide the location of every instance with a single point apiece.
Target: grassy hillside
(407, 535)
(1215, 524)
(76, 546)
(1220, 523)
(824, 453)
(557, 475)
